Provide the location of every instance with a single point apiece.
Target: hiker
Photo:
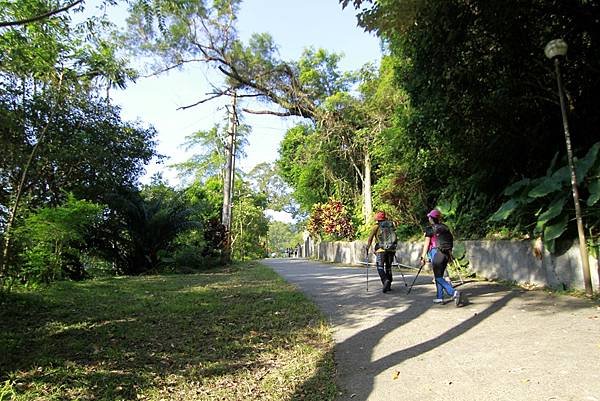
(437, 248)
(384, 233)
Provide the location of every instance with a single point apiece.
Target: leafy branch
(40, 17)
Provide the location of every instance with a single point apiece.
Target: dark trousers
(384, 260)
(439, 263)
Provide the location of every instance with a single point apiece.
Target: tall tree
(176, 34)
(482, 94)
(265, 179)
(48, 80)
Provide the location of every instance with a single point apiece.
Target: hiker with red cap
(384, 233)
(437, 248)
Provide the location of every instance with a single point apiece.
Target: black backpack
(444, 238)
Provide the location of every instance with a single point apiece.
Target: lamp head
(556, 47)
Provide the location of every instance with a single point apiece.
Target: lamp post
(554, 50)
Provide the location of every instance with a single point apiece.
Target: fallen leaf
(395, 375)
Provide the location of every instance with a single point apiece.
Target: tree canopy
(461, 114)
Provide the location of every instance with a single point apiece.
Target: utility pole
(228, 176)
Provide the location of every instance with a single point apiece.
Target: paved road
(503, 345)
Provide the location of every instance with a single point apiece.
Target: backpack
(386, 236)
(444, 238)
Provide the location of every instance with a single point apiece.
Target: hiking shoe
(457, 297)
(386, 286)
(438, 301)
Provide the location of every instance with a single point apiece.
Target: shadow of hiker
(369, 339)
(357, 351)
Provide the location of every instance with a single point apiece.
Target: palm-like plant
(148, 229)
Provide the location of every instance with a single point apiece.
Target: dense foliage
(70, 203)
(461, 114)
(483, 109)
(330, 221)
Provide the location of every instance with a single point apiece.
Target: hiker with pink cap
(437, 248)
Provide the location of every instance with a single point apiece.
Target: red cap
(379, 216)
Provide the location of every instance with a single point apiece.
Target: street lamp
(554, 50)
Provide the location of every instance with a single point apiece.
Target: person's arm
(371, 236)
(425, 249)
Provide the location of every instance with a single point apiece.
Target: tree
(282, 236)
(88, 151)
(176, 34)
(266, 180)
(52, 241)
(481, 92)
(48, 76)
(143, 231)
(300, 163)
(249, 226)
(210, 145)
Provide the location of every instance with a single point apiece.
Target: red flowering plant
(330, 221)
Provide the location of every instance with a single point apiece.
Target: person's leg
(439, 263)
(380, 263)
(389, 259)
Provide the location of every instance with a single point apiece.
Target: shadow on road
(363, 319)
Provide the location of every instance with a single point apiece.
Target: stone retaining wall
(496, 260)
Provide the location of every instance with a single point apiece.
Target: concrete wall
(495, 260)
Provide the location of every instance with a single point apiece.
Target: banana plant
(547, 198)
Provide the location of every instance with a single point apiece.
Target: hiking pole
(413, 283)
(398, 264)
(367, 263)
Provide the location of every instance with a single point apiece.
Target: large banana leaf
(554, 210)
(553, 231)
(510, 190)
(582, 166)
(563, 175)
(547, 186)
(505, 210)
(594, 189)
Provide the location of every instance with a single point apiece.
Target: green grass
(240, 334)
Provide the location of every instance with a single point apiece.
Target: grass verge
(240, 334)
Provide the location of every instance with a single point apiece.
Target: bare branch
(274, 113)
(172, 67)
(216, 95)
(39, 17)
(251, 95)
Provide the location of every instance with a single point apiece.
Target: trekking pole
(398, 264)
(413, 283)
(367, 263)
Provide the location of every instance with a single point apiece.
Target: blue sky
(294, 26)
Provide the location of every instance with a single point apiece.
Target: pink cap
(436, 214)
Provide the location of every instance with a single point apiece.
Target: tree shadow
(99, 344)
